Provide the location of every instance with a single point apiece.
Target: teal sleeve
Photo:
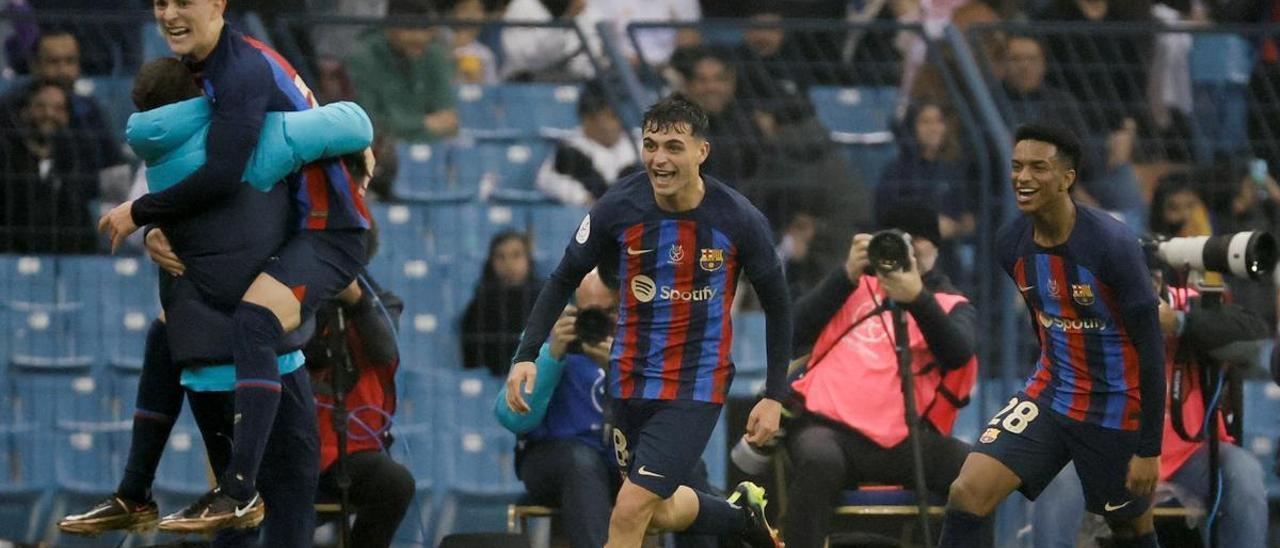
(549, 370)
(292, 139)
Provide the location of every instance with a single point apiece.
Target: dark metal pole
(902, 347)
(340, 384)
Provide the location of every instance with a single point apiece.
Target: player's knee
(635, 505)
(971, 496)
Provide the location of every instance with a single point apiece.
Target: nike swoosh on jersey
(634, 251)
(1108, 507)
(645, 472)
(1026, 289)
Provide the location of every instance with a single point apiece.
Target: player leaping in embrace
(1096, 397)
(676, 241)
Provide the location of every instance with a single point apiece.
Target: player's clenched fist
(522, 376)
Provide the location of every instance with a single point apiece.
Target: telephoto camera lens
(889, 250)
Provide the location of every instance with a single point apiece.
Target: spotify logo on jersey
(643, 288)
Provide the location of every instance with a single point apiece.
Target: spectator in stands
(564, 456)
(403, 76)
(494, 318)
(474, 61)
(587, 163)
(46, 191)
(804, 186)
(837, 442)
(656, 44)
(381, 489)
(711, 82)
(1191, 333)
(340, 41)
(1107, 173)
(1178, 207)
(1241, 200)
(930, 169)
(57, 60)
(111, 45)
(549, 54)
(779, 64)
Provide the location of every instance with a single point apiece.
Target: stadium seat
(29, 279)
(481, 473)
(42, 397)
(552, 227)
(56, 336)
(86, 469)
(400, 230)
(422, 392)
(424, 172)
(477, 107)
(500, 166)
(184, 469)
(461, 232)
(124, 292)
(124, 393)
(748, 343)
(26, 484)
(858, 110)
(1262, 427)
(534, 107)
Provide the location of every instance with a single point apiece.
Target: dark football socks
(717, 517)
(157, 407)
(257, 333)
(961, 529)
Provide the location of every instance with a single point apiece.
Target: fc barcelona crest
(989, 435)
(1082, 294)
(711, 259)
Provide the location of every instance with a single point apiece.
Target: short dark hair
(592, 99)
(676, 110)
(34, 88)
(1064, 140)
(161, 82)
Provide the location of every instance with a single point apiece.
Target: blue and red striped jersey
(677, 273)
(1094, 308)
(244, 78)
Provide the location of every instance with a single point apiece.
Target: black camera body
(591, 326)
(889, 250)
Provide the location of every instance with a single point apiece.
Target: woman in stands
(495, 317)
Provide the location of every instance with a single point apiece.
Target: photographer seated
(564, 454)
(381, 489)
(852, 428)
(1194, 336)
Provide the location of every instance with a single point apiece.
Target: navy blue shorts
(1036, 442)
(658, 443)
(318, 264)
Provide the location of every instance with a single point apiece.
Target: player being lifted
(1096, 397)
(676, 241)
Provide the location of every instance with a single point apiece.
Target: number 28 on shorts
(1015, 417)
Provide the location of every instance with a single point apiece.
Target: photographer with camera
(359, 361)
(851, 428)
(1195, 337)
(563, 456)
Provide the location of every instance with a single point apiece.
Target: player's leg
(1101, 457)
(214, 413)
(310, 268)
(290, 469)
(659, 444)
(158, 404)
(1242, 520)
(819, 472)
(1020, 449)
(572, 475)
(1058, 512)
(697, 481)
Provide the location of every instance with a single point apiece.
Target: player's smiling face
(671, 158)
(1040, 177)
(190, 27)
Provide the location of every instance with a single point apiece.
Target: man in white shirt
(586, 163)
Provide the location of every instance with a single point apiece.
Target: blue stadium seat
(748, 343)
(1262, 427)
(184, 468)
(30, 279)
(552, 227)
(124, 393)
(422, 393)
(885, 497)
(502, 166)
(401, 229)
(870, 159)
(425, 334)
(86, 469)
(471, 394)
(124, 294)
(858, 110)
(52, 336)
(26, 486)
(42, 397)
(461, 232)
(534, 107)
(481, 473)
(477, 106)
(424, 172)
